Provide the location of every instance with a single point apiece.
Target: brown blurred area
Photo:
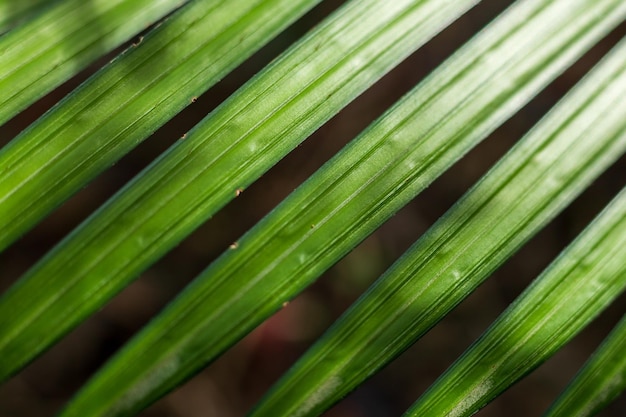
(231, 385)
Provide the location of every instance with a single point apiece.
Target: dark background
(236, 381)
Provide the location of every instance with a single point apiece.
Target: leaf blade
(13, 13)
(601, 379)
(238, 290)
(56, 45)
(247, 134)
(574, 289)
(127, 101)
(453, 257)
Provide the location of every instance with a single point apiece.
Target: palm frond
(180, 50)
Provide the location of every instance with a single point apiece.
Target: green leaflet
(511, 203)
(600, 380)
(567, 296)
(13, 12)
(355, 192)
(228, 150)
(56, 45)
(128, 100)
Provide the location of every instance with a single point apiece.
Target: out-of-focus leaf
(13, 12)
(59, 43)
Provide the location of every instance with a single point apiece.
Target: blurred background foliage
(231, 385)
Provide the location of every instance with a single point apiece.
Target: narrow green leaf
(128, 100)
(13, 12)
(227, 151)
(600, 380)
(511, 203)
(562, 301)
(57, 44)
(356, 191)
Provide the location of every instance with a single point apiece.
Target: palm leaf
(200, 174)
(128, 100)
(599, 382)
(449, 113)
(573, 290)
(528, 187)
(56, 45)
